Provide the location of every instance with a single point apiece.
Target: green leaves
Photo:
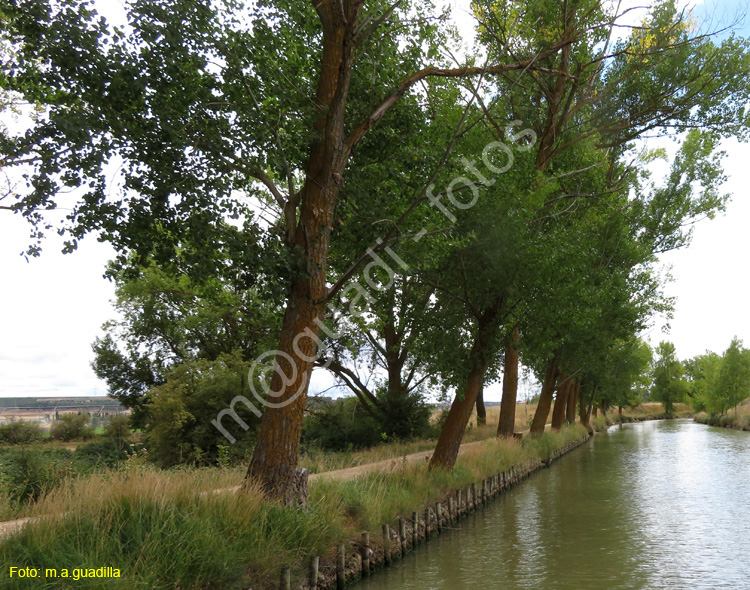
(669, 385)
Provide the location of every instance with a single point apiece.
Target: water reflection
(646, 506)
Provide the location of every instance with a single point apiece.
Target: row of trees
(324, 169)
(717, 383)
(709, 382)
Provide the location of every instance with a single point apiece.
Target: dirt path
(10, 527)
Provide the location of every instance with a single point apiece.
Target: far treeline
(709, 382)
(330, 184)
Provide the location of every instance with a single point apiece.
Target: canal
(642, 506)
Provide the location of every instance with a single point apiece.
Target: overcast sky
(53, 306)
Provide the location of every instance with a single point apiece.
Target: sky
(52, 307)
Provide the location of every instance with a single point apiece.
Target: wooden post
(415, 529)
(451, 510)
(314, 566)
(473, 492)
(402, 535)
(365, 554)
(386, 544)
(439, 510)
(341, 568)
(286, 579)
(460, 502)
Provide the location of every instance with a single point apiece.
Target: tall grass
(738, 419)
(168, 530)
(162, 532)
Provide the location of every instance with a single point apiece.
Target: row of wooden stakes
(365, 556)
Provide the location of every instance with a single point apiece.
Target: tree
(669, 385)
(200, 108)
(71, 426)
(180, 411)
(702, 373)
(733, 383)
(167, 317)
(628, 374)
(575, 112)
(507, 422)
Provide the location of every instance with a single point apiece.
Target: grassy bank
(739, 419)
(651, 411)
(161, 532)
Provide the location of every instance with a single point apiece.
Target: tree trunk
(570, 412)
(561, 402)
(603, 408)
(507, 423)
(591, 407)
(545, 398)
(274, 460)
(583, 411)
(481, 410)
(449, 443)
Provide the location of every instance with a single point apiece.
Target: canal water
(643, 506)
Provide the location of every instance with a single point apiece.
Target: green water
(652, 505)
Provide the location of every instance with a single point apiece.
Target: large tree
(669, 385)
(202, 101)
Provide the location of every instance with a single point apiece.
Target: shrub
(109, 452)
(180, 413)
(27, 474)
(21, 433)
(406, 415)
(343, 425)
(117, 427)
(71, 426)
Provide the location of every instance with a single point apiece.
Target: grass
(318, 461)
(738, 419)
(161, 532)
(652, 411)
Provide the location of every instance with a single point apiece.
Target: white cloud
(52, 308)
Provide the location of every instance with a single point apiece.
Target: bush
(27, 474)
(21, 433)
(406, 415)
(71, 426)
(117, 427)
(109, 452)
(344, 425)
(180, 413)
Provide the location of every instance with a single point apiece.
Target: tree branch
(463, 72)
(351, 379)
